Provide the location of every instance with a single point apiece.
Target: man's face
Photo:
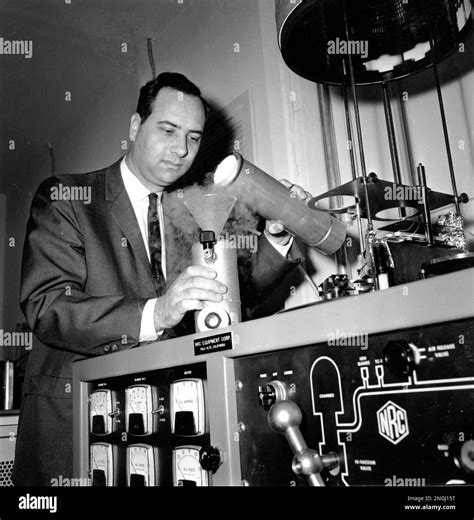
(165, 145)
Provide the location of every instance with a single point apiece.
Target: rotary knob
(465, 457)
(210, 458)
(401, 357)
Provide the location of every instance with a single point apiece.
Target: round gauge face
(186, 397)
(99, 402)
(139, 461)
(137, 399)
(188, 469)
(99, 456)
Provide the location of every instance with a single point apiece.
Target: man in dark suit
(87, 284)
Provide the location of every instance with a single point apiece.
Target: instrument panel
(350, 392)
(373, 401)
(140, 426)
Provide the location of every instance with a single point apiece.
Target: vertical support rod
(445, 129)
(392, 140)
(348, 121)
(358, 125)
(332, 163)
(426, 205)
(406, 134)
(391, 134)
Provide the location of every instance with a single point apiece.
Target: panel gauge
(102, 464)
(141, 465)
(187, 407)
(139, 409)
(101, 411)
(187, 470)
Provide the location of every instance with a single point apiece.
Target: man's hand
(187, 293)
(274, 230)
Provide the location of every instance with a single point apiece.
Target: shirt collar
(135, 189)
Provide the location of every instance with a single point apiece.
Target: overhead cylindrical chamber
(273, 201)
(388, 39)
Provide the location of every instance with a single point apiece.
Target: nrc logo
(392, 421)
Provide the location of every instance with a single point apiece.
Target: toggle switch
(272, 392)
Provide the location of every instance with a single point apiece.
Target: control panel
(368, 390)
(150, 429)
(372, 409)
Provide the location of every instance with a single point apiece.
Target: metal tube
(391, 140)
(331, 160)
(391, 134)
(426, 207)
(406, 134)
(445, 129)
(358, 125)
(272, 201)
(348, 121)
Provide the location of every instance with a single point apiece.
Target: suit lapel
(122, 211)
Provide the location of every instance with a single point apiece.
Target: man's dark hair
(174, 80)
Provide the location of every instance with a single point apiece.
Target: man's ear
(135, 122)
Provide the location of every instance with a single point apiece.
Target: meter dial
(187, 470)
(102, 464)
(141, 465)
(101, 412)
(187, 407)
(139, 409)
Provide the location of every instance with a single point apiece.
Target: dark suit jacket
(85, 281)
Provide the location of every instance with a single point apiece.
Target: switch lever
(285, 417)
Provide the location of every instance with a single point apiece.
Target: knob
(401, 357)
(210, 458)
(270, 393)
(465, 457)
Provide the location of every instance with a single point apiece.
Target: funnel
(211, 210)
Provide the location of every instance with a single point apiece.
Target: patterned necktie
(154, 243)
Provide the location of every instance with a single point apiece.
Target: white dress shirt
(138, 195)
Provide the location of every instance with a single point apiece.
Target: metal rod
(426, 205)
(331, 161)
(358, 125)
(359, 228)
(392, 142)
(348, 121)
(406, 134)
(445, 129)
(355, 98)
(391, 134)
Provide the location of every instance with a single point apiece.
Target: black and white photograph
(236, 251)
